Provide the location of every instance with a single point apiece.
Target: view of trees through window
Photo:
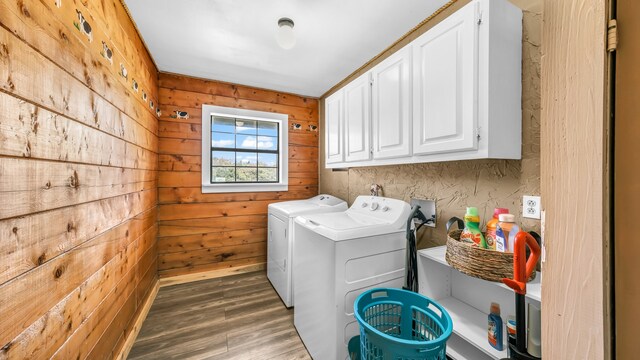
(244, 150)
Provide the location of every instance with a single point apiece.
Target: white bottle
(533, 331)
(506, 232)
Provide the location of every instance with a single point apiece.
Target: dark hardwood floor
(235, 317)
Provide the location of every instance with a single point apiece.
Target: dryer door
(278, 257)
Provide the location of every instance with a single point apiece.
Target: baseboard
(181, 279)
(137, 323)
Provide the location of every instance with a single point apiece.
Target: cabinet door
(357, 110)
(334, 152)
(445, 61)
(391, 106)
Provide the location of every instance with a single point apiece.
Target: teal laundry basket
(397, 324)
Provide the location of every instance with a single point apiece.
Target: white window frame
(283, 144)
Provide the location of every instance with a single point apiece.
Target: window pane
(223, 174)
(220, 124)
(244, 150)
(246, 142)
(267, 128)
(246, 127)
(267, 160)
(246, 159)
(267, 143)
(223, 158)
(266, 174)
(246, 174)
(222, 140)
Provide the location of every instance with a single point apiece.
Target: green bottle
(471, 232)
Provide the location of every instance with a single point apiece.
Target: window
(243, 150)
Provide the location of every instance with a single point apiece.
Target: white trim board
(283, 145)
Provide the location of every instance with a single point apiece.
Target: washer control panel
(385, 209)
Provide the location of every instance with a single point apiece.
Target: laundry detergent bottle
(471, 233)
(495, 335)
(506, 232)
(492, 225)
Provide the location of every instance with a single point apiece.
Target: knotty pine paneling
(203, 232)
(190, 99)
(78, 178)
(186, 195)
(209, 225)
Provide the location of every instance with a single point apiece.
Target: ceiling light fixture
(285, 36)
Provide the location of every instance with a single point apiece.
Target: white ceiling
(234, 40)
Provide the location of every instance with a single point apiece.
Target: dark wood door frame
(626, 180)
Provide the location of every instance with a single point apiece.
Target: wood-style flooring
(235, 317)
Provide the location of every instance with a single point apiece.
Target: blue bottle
(495, 336)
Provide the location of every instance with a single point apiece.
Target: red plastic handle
(523, 267)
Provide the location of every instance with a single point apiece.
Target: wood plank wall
(575, 313)
(78, 178)
(209, 232)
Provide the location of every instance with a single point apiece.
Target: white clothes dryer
(281, 238)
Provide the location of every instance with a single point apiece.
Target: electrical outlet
(428, 208)
(531, 207)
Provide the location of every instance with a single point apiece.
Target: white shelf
(460, 349)
(437, 254)
(471, 325)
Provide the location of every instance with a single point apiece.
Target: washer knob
(374, 206)
(385, 209)
(364, 204)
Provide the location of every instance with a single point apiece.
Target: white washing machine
(281, 238)
(338, 256)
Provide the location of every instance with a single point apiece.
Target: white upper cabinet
(391, 104)
(444, 85)
(357, 110)
(334, 119)
(453, 93)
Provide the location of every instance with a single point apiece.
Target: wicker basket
(481, 263)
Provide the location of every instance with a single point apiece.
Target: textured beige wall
(458, 184)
